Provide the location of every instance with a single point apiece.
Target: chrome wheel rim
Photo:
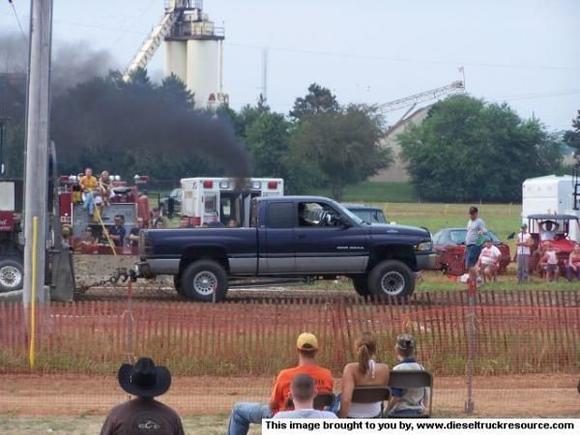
(393, 283)
(205, 283)
(10, 277)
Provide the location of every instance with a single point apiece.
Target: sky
(523, 52)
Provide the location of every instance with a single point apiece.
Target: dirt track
(530, 395)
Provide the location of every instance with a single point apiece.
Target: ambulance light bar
(207, 184)
(256, 185)
(224, 184)
(272, 185)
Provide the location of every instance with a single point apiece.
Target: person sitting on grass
(410, 402)
(144, 414)
(245, 413)
(549, 263)
(488, 263)
(573, 266)
(302, 392)
(364, 372)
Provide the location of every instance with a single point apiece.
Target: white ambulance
(223, 201)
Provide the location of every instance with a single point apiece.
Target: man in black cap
(144, 414)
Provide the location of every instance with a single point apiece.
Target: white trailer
(210, 200)
(552, 195)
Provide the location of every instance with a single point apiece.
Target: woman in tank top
(364, 372)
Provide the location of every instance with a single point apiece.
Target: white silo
(194, 52)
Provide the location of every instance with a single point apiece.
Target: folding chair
(413, 379)
(321, 401)
(372, 394)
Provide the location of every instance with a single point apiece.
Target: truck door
(276, 233)
(323, 245)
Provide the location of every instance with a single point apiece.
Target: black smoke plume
(100, 121)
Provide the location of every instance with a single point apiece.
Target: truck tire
(177, 285)
(11, 275)
(204, 281)
(361, 285)
(391, 278)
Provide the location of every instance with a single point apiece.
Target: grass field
(375, 191)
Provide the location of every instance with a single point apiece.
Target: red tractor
(88, 234)
(554, 229)
(11, 239)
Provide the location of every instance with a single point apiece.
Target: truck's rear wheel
(391, 278)
(205, 281)
(361, 285)
(11, 275)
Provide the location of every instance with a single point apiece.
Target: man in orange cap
(245, 413)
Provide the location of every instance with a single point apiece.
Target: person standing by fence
(473, 241)
(573, 266)
(523, 252)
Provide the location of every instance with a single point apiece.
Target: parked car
(289, 236)
(449, 244)
(368, 213)
(171, 205)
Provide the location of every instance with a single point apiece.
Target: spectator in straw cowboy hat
(143, 414)
(244, 414)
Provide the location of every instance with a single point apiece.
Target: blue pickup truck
(289, 237)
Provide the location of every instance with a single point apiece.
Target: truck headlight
(424, 246)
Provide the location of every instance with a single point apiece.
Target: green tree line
(465, 150)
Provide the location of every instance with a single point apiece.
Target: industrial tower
(193, 51)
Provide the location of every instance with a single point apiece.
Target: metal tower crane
(152, 42)
(193, 51)
(412, 100)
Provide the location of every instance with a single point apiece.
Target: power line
(404, 59)
(17, 19)
(563, 93)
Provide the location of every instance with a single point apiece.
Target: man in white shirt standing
(523, 251)
(489, 261)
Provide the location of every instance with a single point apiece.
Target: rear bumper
(426, 260)
(153, 267)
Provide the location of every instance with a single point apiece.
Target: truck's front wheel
(204, 281)
(391, 278)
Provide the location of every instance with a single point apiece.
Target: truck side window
(313, 214)
(281, 215)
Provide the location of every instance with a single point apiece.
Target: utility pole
(37, 141)
(265, 74)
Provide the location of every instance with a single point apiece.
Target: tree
(343, 144)
(174, 92)
(572, 137)
(318, 100)
(469, 150)
(267, 138)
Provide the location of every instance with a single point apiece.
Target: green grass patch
(375, 191)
